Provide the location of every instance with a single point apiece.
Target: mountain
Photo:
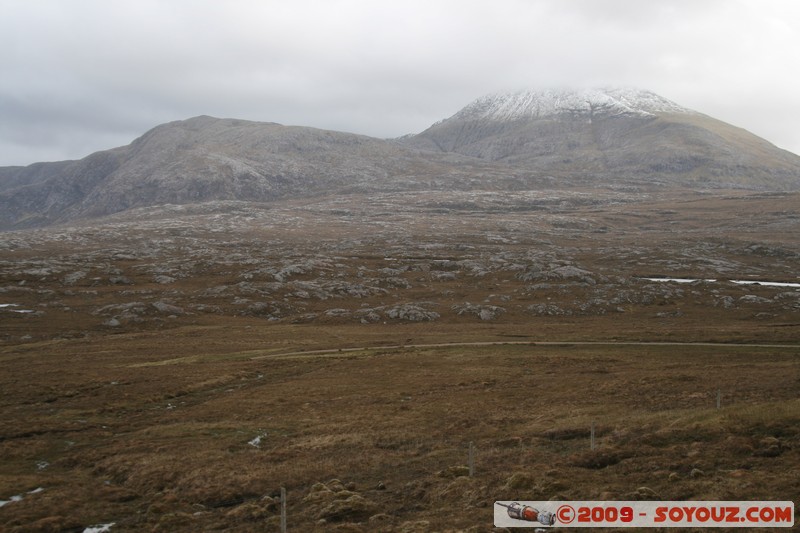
(611, 133)
(513, 141)
(202, 159)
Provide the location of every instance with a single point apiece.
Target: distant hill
(513, 141)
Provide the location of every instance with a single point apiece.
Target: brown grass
(145, 457)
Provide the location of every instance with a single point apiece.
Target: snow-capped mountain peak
(543, 103)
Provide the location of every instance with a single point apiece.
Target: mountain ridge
(506, 141)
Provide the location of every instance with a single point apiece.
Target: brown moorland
(169, 369)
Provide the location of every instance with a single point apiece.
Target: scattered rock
(753, 299)
(643, 494)
(168, 309)
(74, 277)
(547, 310)
(484, 312)
(412, 313)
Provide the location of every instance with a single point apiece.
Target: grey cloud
(98, 70)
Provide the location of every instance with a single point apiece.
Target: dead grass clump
(772, 419)
(596, 459)
(60, 503)
(111, 493)
(330, 441)
(509, 442)
(460, 491)
(214, 489)
(571, 433)
(395, 443)
(521, 481)
(253, 511)
(453, 472)
(305, 470)
(672, 436)
(643, 494)
(334, 502)
(415, 526)
(50, 524)
(771, 447)
(152, 476)
(566, 433)
(354, 507)
(525, 485)
(736, 445)
(177, 521)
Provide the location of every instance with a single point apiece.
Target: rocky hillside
(519, 141)
(612, 133)
(203, 159)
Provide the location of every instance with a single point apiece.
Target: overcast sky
(79, 76)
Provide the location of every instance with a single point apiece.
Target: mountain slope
(611, 132)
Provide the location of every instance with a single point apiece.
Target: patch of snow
(766, 283)
(736, 281)
(4, 306)
(543, 103)
(101, 528)
(16, 498)
(256, 442)
(679, 280)
(19, 497)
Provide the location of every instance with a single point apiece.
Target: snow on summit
(543, 103)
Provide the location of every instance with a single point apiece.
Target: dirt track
(518, 343)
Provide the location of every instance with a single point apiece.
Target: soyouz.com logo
(746, 514)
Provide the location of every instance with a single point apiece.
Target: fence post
(471, 459)
(591, 437)
(283, 510)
